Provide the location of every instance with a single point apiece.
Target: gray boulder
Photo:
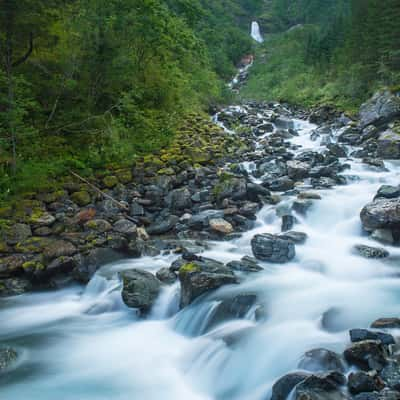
(361, 382)
(381, 214)
(140, 289)
(388, 192)
(388, 145)
(381, 108)
(272, 248)
(284, 385)
(200, 275)
(371, 252)
(179, 199)
(246, 264)
(367, 355)
(298, 170)
(358, 335)
(322, 360)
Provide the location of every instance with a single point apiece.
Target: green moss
(188, 268)
(33, 266)
(82, 198)
(32, 245)
(110, 181)
(124, 176)
(166, 171)
(6, 212)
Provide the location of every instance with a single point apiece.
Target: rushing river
(86, 344)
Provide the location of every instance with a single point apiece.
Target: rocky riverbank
(210, 186)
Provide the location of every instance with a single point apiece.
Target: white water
(256, 32)
(85, 344)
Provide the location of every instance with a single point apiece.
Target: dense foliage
(87, 82)
(328, 51)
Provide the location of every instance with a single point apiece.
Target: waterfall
(255, 32)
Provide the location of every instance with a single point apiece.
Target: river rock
(59, 248)
(386, 323)
(371, 252)
(358, 335)
(272, 248)
(381, 108)
(235, 307)
(220, 225)
(391, 374)
(298, 170)
(98, 225)
(336, 150)
(381, 214)
(322, 360)
(14, 286)
(8, 356)
(388, 145)
(165, 275)
(326, 386)
(179, 199)
(17, 233)
(284, 385)
(388, 192)
(294, 236)
(162, 225)
(280, 184)
(367, 355)
(385, 394)
(246, 264)
(350, 135)
(125, 227)
(140, 289)
(200, 275)
(360, 382)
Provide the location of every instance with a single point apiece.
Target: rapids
(86, 344)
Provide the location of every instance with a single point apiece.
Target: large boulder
(200, 275)
(140, 289)
(388, 145)
(381, 214)
(361, 382)
(386, 323)
(325, 386)
(272, 248)
(367, 355)
(322, 360)
(284, 385)
(298, 170)
(381, 108)
(230, 187)
(358, 335)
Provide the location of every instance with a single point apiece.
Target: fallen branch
(123, 206)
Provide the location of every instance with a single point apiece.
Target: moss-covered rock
(110, 181)
(124, 176)
(34, 244)
(81, 198)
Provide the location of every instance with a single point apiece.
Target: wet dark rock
(294, 236)
(360, 382)
(17, 233)
(322, 360)
(383, 395)
(162, 225)
(388, 145)
(381, 108)
(284, 385)
(8, 357)
(323, 183)
(350, 135)
(367, 355)
(302, 206)
(136, 209)
(272, 248)
(230, 187)
(336, 150)
(201, 221)
(140, 289)
(235, 307)
(280, 184)
(359, 335)
(246, 264)
(386, 323)
(89, 264)
(200, 275)
(125, 227)
(388, 192)
(326, 386)
(255, 190)
(371, 252)
(381, 214)
(284, 123)
(288, 222)
(298, 170)
(391, 375)
(165, 275)
(375, 163)
(14, 286)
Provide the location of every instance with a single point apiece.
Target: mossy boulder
(6, 211)
(33, 266)
(202, 275)
(110, 181)
(98, 225)
(124, 176)
(59, 248)
(81, 198)
(34, 244)
(39, 218)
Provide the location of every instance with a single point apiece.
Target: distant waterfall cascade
(256, 32)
